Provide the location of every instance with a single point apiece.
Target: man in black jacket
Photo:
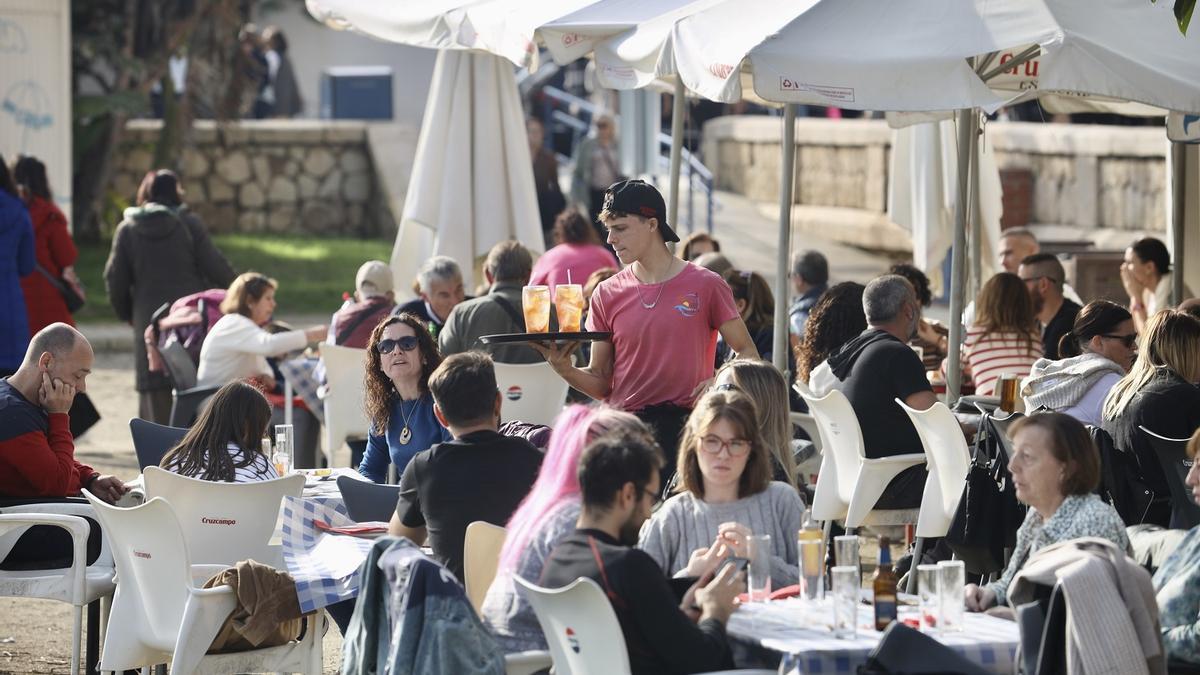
(664, 632)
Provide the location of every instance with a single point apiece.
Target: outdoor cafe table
(324, 565)
(799, 634)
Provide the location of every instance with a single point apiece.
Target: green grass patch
(313, 272)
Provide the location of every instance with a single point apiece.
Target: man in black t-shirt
(878, 367)
(675, 626)
(480, 475)
(1044, 276)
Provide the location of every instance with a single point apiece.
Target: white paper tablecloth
(802, 633)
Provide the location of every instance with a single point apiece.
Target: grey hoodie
(1062, 384)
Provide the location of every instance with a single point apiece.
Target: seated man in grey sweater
(725, 495)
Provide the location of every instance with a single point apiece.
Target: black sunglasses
(1130, 341)
(406, 344)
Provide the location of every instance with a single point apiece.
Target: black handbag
(988, 514)
(73, 299)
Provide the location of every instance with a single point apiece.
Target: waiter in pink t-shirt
(664, 314)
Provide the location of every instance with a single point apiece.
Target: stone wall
(1070, 176)
(279, 176)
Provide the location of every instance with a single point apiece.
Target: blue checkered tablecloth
(803, 636)
(299, 372)
(325, 566)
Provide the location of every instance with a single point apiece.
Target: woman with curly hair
(837, 317)
(400, 356)
(1005, 336)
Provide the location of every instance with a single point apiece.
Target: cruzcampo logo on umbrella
(29, 106)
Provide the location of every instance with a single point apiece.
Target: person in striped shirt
(1004, 337)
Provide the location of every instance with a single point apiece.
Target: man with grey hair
(876, 368)
(439, 288)
(810, 278)
(37, 451)
(507, 270)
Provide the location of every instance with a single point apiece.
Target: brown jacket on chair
(267, 612)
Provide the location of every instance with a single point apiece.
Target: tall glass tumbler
(812, 569)
(535, 302)
(758, 581)
(952, 577)
(929, 597)
(845, 601)
(846, 552)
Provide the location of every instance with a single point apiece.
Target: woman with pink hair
(546, 516)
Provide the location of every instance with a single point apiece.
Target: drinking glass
(845, 601)
(845, 549)
(952, 577)
(929, 597)
(535, 301)
(568, 303)
(812, 569)
(758, 580)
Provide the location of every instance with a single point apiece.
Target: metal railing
(561, 109)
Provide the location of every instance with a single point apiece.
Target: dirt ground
(35, 635)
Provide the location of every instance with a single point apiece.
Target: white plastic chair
(160, 612)
(225, 523)
(481, 557)
(582, 630)
(532, 392)
(948, 460)
(850, 482)
(78, 585)
(345, 418)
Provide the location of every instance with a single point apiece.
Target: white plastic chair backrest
(152, 564)
(481, 556)
(9, 536)
(809, 424)
(580, 627)
(345, 417)
(841, 457)
(224, 523)
(948, 459)
(530, 392)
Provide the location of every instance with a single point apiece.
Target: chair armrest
(203, 615)
(527, 663)
(105, 558)
(911, 459)
(75, 526)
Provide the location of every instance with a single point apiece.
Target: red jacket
(37, 453)
(55, 250)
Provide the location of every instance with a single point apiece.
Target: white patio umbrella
(472, 181)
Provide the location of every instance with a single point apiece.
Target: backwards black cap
(639, 198)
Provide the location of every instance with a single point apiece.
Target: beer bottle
(884, 584)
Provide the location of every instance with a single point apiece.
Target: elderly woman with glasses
(1055, 469)
(725, 494)
(401, 354)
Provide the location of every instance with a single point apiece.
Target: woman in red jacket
(53, 245)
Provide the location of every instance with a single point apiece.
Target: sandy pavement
(35, 635)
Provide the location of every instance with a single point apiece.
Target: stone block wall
(278, 176)
(1080, 176)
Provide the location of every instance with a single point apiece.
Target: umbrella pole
(780, 344)
(1179, 180)
(967, 123)
(677, 113)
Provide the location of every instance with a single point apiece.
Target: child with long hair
(546, 515)
(225, 443)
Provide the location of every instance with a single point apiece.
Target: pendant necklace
(652, 305)
(405, 433)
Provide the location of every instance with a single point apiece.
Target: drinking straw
(568, 276)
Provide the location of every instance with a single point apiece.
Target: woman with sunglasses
(725, 494)
(400, 356)
(1096, 353)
